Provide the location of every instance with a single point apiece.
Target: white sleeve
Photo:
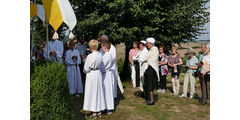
(59, 50)
(88, 64)
(113, 53)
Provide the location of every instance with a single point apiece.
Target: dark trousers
(162, 83)
(206, 88)
(137, 70)
(83, 75)
(200, 76)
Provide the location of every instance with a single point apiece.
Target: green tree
(168, 21)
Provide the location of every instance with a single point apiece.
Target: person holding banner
(55, 50)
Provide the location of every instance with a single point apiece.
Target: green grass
(167, 106)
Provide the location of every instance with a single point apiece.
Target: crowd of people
(94, 67)
(90, 69)
(155, 64)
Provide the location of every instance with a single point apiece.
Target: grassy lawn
(167, 106)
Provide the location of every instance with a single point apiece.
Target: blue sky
(207, 27)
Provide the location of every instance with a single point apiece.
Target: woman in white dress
(73, 71)
(94, 100)
(108, 76)
(143, 65)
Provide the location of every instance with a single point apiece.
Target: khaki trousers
(189, 76)
(175, 84)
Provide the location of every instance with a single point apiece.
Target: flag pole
(47, 40)
(33, 28)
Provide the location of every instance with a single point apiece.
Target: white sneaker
(163, 91)
(191, 96)
(77, 95)
(182, 96)
(159, 90)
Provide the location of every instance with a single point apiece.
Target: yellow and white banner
(55, 12)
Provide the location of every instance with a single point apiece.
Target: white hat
(151, 40)
(142, 41)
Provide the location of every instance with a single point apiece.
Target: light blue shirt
(192, 63)
(201, 56)
(56, 46)
(81, 48)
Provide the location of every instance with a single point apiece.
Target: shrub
(50, 97)
(183, 69)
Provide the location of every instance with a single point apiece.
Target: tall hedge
(49, 99)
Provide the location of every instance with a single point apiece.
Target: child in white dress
(108, 76)
(94, 100)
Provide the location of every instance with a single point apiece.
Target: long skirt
(108, 81)
(150, 81)
(94, 99)
(74, 79)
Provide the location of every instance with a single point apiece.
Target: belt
(73, 65)
(94, 69)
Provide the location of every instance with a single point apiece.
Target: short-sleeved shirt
(206, 63)
(174, 60)
(81, 48)
(192, 63)
(133, 53)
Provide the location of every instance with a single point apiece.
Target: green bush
(49, 99)
(183, 69)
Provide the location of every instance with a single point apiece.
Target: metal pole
(47, 40)
(33, 28)
(32, 38)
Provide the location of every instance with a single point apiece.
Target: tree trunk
(126, 73)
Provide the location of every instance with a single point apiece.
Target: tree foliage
(168, 21)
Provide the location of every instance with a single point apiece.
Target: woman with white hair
(151, 75)
(206, 75)
(191, 65)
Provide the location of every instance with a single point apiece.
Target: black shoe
(150, 103)
(203, 102)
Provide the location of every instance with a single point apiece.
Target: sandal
(93, 116)
(99, 115)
